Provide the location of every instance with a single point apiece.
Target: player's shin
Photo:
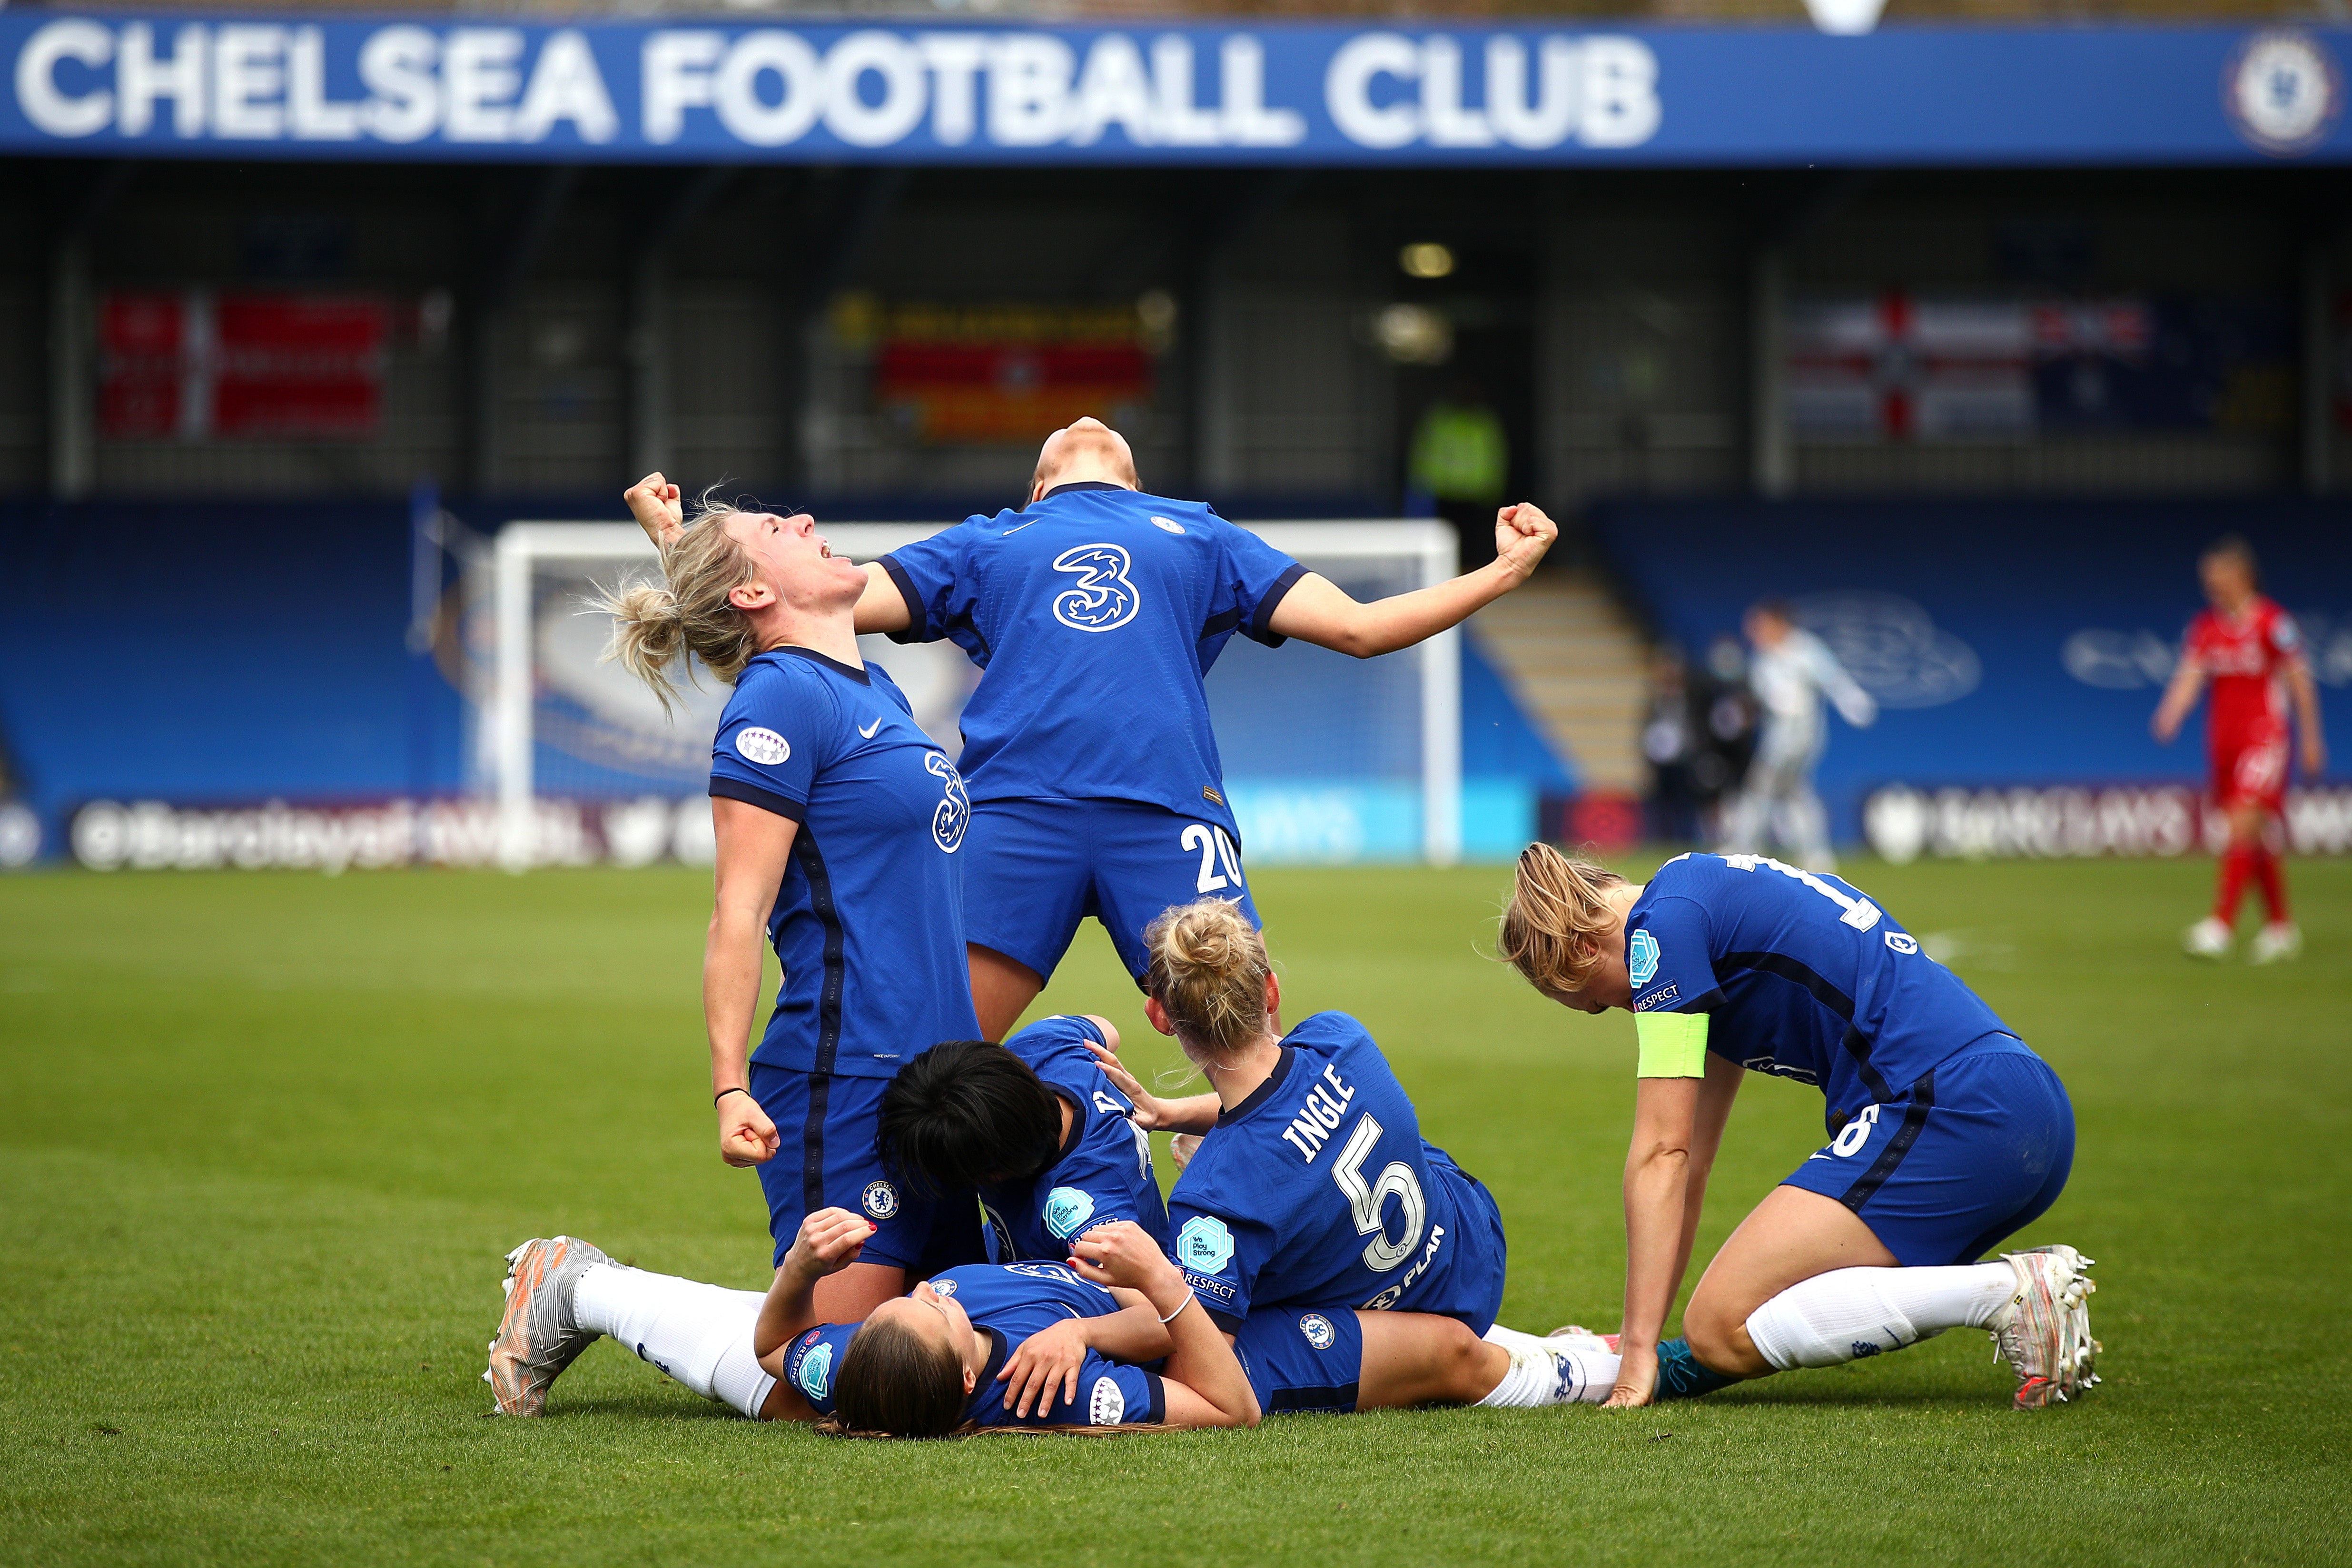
(1849, 1313)
(698, 1334)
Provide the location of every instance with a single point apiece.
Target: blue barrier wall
(2012, 642)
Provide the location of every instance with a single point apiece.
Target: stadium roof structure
(972, 89)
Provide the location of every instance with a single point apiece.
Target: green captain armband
(1673, 1045)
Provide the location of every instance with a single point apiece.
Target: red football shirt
(2245, 658)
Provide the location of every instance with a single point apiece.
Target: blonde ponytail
(656, 625)
(1558, 909)
(1208, 972)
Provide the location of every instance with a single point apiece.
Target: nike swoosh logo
(868, 730)
(1018, 526)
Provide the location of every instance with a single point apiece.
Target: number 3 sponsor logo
(1102, 600)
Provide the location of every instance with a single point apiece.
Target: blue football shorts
(825, 1159)
(1302, 1362)
(1978, 1149)
(1033, 869)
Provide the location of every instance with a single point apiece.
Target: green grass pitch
(263, 1139)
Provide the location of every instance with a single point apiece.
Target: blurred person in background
(1460, 465)
(1673, 739)
(2252, 653)
(1720, 692)
(1791, 671)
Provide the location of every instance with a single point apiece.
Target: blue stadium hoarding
(1398, 93)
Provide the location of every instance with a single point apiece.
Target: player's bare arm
(828, 1242)
(2180, 696)
(881, 608)
(1658, 1171)
(1206, 1385)
(1042, 1370)
(754, 847)
(1319, 611)
(2304, 692)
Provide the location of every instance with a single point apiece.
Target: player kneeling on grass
(1948, 1133)
(1356, 1265)
(1020, 1344)
(1035, 1126)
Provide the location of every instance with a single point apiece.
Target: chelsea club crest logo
(1204, 1245)
(1318, 1330)
(2282, 91)
(1641, 958)
(880, 1199)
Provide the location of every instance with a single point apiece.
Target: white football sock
(1848, 1314)
(699, 1334)
(1543, 1373)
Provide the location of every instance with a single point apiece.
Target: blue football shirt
(1104, 1171)
(1801, 976)
(868, 923)
(1095, 614)
(1007, 1301)
(1318, 1190)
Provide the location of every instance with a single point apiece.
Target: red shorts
(2253, 774)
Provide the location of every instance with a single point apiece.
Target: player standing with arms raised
(1097, 611)
(2252, 653)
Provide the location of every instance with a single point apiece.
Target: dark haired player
(1036, 1126)
(2251, 651)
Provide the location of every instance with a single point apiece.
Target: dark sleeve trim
(1705, 1004)
(766, 799)
(1225, 1320)
(919, 624)
(1152, 1381)
(1270, 601)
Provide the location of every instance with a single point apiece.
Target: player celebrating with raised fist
(1096, 610)
(839, 822)
(1948, 1133)
(2250, 651)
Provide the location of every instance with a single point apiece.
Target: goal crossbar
(522, 545)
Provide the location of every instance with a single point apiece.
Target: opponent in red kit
(2250, 649)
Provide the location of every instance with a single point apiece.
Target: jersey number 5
(1381, 1254)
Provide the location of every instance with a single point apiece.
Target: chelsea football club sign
(243, 85)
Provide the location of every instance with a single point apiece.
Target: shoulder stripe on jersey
(1216, 625)
(1795, 970)
(766, 799)
(1923, 1100)
(1269, 602)
(828, 1006)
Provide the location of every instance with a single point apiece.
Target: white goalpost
(1332, 747)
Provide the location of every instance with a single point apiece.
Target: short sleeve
(1254, 578)
(1109, 1394)
(934, 577)
(775, 735)
(815, 1358)
(1221, 1258)
(1667, 958)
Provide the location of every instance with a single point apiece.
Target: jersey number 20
(1365, 1199)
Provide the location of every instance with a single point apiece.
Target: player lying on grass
(1949, 1133)
(1354, 1263)
(987, 1344)
(839, 822)
(1096, 610)
(1035, 1126)
(2250, 652)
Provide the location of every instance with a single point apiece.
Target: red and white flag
(195, 365)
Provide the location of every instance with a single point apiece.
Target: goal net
(1325, 758)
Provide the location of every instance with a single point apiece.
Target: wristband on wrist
(724, 1092)
(1188, 1300)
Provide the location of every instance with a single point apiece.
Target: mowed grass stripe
(263, 1139)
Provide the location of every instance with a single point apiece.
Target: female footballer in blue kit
(838, 825)
(1035, 1126)
(1096, 610)
(1948, 1133)
(1354, 1263)
(1104, 1340)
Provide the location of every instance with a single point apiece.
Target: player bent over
(1949, 1134)
(1096, 611)
(1354, 1263)
(1025, 1344)
(2252, 653)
